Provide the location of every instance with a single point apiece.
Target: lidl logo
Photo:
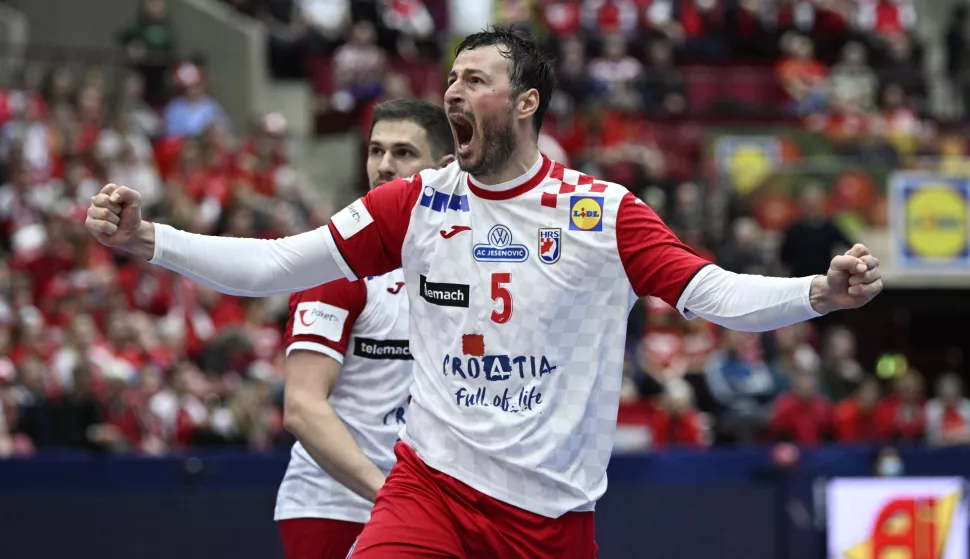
(586, 213)
(930, 222)
(936, 221)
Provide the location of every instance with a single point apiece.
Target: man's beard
(497, 143)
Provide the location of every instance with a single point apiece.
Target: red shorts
(424, 513)
(318, 538)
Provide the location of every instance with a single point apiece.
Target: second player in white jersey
(363, 325)
(348, 365)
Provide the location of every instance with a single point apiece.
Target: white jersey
(363, 325)
(520, 295)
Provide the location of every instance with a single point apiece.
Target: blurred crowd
(103, 352)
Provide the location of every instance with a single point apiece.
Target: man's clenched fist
(853, 279)
(114, 218)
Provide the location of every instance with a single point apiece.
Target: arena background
(139, 414)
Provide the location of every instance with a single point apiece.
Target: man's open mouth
(464, 132)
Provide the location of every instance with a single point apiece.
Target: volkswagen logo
(500, 236)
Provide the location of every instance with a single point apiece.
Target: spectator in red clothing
(802, 415)
(610, 16)
(899, 122)
(854, 419)
(703, 24)
(561, 19)
(948, 415)
(146, 287)
(802, 77)
(900, 416)
(886, 18)
(25, 93)
(677, 422)
(412, 25)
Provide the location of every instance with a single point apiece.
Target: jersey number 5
(501, 294)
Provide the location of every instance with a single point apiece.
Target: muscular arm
(248, 267)
(746, 302)
(363, 239)
(658, 264)
(310, 376)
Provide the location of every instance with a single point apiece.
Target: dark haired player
(521, 274)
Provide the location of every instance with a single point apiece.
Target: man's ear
(528, 104)
(445, 160)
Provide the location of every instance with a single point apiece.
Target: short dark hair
(529, 68)
(428, 116)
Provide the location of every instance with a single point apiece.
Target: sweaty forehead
(485, 59)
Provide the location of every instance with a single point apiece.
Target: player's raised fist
(114, 216)
(853, 279)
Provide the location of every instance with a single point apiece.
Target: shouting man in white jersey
(348, 366)
(521, 274)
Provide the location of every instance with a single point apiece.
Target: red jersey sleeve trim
(656, 262)
(369, 233)
(686, 290)
(325, 316)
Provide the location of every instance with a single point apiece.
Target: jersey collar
(515, 187)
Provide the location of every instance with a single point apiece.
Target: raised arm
(248, 267)
(658, 264)
(255, 267)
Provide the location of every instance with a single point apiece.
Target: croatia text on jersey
(500, 248)
(397, 416)
(508, 383)
(441, 202)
